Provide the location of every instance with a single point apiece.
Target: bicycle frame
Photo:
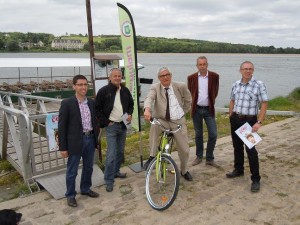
(163, 149)
(162, 176)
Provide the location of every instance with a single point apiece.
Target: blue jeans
(115, 137)
(200, 114)
(87, 154)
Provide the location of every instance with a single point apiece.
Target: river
(279, 72)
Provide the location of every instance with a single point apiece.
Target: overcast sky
(257, 22)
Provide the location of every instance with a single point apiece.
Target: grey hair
(201, 57)
(242, 64)
(113, 69)
(162, 69)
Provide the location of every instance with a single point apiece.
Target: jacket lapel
(77, 109)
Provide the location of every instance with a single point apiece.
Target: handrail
(19, 114)
(31, 96)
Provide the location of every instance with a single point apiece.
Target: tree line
(10, 42)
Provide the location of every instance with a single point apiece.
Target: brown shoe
(212, 163)
(196, 161)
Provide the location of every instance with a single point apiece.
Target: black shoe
(120, 175)
(255, 186)
(72, 202)
(91, 194)
(109, 187)
(187, 176)
(145, 167)
(234, 174)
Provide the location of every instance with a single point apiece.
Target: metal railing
(23, 134)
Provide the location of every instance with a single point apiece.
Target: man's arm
(231, 105)
(151, 97)
(260, 117)
(62, 128)
(263, 110)
(187, 99)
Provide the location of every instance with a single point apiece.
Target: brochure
(127, 123)
(247, 136)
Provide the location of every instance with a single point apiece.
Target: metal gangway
(25, 144)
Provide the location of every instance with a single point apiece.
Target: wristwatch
(259, 122)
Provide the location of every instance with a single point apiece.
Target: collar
(82, 102)
(250, 82)
(114, 87)
(199, 75)
(163, 87)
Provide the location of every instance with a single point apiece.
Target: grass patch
(280, 194)
(5, 166)
(289, 103)
(11, 178)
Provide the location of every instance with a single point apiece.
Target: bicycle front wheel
(162, 183)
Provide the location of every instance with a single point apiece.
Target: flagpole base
(136, 167)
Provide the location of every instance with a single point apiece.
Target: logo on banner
(126, 29)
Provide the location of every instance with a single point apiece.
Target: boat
(52, 77)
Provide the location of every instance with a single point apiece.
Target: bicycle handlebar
(155, 121)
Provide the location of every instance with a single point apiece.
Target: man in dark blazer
(77, 134)
(204, 87)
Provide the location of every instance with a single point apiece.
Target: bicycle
(162, 176)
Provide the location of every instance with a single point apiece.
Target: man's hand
(147, 114)
(129, 118)
(256, 127)
(64, 154)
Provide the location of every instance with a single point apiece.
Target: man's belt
(240, 116)
(202, 107)
(88, 133)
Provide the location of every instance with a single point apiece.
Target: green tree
(2, 42)
(86, 47)
(13, 46)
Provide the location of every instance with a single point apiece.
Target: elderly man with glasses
(171, 101)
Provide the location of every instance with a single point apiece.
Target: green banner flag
(130, 60)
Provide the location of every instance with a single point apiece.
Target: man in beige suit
(169, 101)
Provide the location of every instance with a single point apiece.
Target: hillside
(13, 41)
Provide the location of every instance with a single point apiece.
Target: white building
(67, 44)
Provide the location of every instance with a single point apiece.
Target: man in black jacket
(113, 102)
(77, 129)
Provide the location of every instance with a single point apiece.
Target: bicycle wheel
(162, 185)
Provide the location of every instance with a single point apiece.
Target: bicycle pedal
(172, 171)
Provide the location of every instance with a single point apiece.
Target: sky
(256, 22)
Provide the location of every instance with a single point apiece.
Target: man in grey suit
(169, 101)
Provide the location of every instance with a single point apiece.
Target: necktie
(168, 105)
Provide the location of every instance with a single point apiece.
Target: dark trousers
(87, 156)
(201, 114)
(238, 146)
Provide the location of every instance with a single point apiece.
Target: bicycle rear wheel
(162, 183)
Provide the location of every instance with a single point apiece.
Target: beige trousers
(181, 140)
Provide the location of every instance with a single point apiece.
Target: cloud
(265, 23)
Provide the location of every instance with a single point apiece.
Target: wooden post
(92, 54)
(4, 137)
(91, 41)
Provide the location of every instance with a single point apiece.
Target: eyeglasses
(81, 85)
(246, 69)
(164, 75)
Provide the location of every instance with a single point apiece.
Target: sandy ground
(210, 199)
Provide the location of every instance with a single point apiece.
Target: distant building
(29, 45)
(67, 44)
(26, 45)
